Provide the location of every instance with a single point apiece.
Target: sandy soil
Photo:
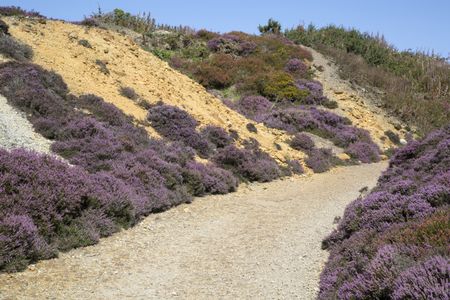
(355, 102)
(262, 242)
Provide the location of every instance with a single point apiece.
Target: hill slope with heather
(107, 121)
(56, 47)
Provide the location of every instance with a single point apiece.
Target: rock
(73, 36)
(403, 142)
(343, 156)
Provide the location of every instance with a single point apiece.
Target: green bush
(281, 86)
(162, 54)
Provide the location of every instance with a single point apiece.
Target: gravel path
(262, 242)
(16, 131)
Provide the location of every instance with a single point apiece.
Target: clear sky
(407, 24)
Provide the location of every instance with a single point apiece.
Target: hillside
(55, 44)
(114, 127)
(127, 121)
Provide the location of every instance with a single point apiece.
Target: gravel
(262, 242)
(17, 132)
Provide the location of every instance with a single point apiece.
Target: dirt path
(355, 103)
(262, 242)
(16, 131)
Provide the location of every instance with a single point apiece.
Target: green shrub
(281, 86)
(162, 54)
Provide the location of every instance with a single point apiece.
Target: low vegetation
(267, 78)
(415, 85)
(296, 119)
(108, 173)
(118, 173)
(393, 243)
(10, 47)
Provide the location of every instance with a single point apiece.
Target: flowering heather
(301, 141)
(296, 67)
(294, 166)
(41, 198)
(231, 44)
(208, 179)
(177, 125)
(12, 48)
(315, 89)
(254, 106)
(297, 119)
(428, 280)
(248, 164)
(364, 152)
(119, 174)
(217, 136)
(320, 160)
(393, 243)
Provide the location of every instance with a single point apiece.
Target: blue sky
(407, 24)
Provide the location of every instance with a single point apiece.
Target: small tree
(271, 27)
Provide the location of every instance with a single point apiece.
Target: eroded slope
(56, 47)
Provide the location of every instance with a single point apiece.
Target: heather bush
(85, 43)
(20, 243)
(251, 128)
(128, 93)
(14, 49)
(177, 125)
(102, 66)
(315, 92)
(296, 119)
(251, 165)
(41, 196)
(208, 179)
(217, 136)
(364, 152)
(216, 73)
(393, 243)
(303, 142)
(295, 166)
(428, 280)
(4, 28)
(254, 106)
(296, 67)
(206, 35)
(320, 160)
